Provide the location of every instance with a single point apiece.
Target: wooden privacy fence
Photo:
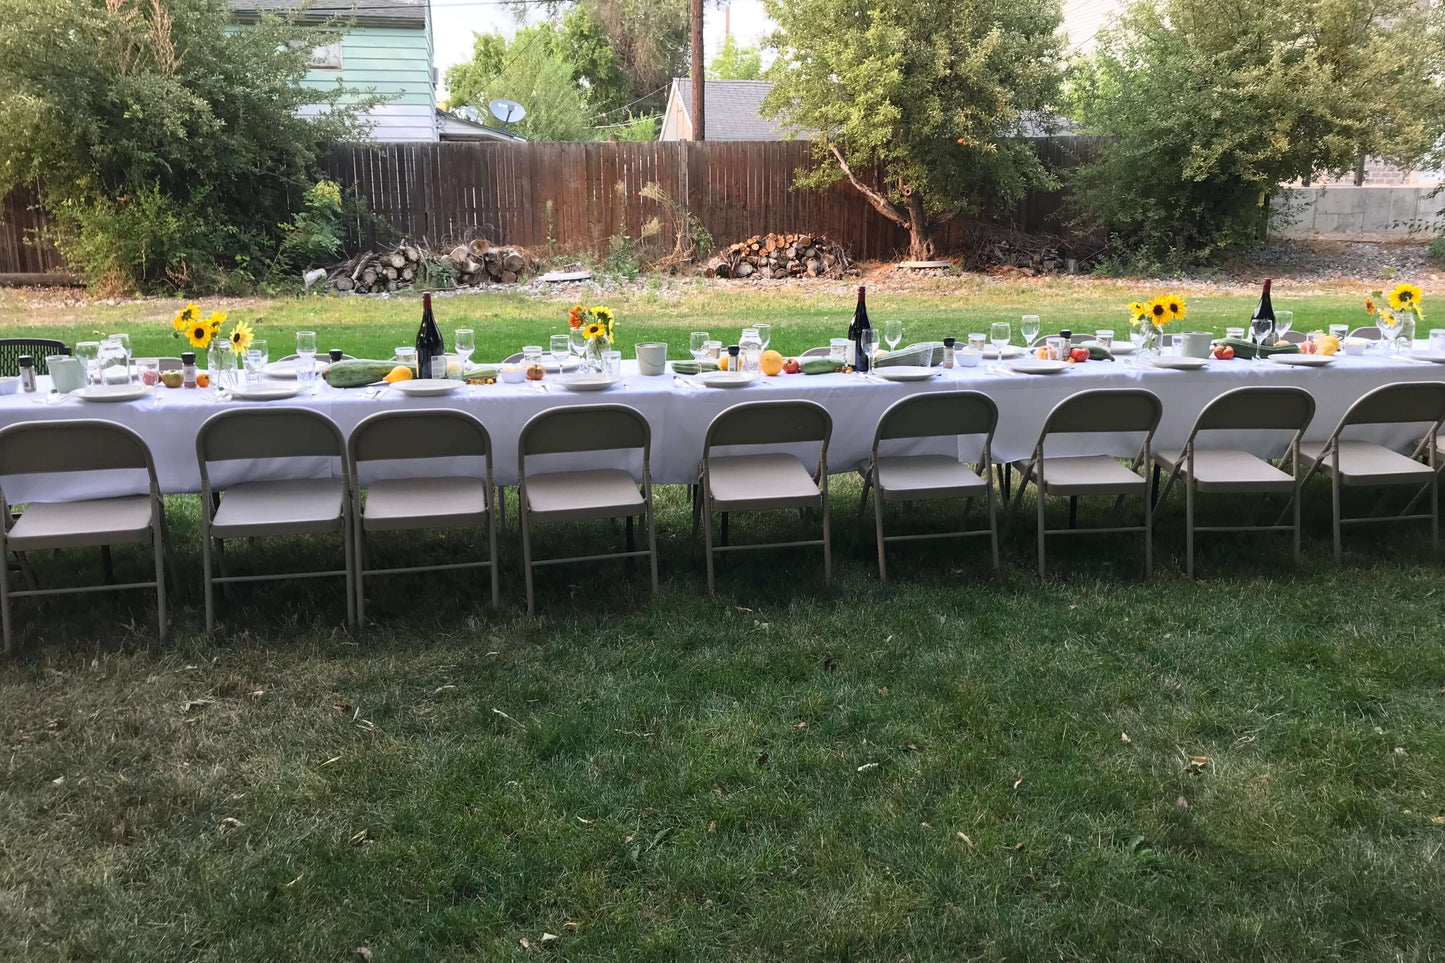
(575, 197)
(25, 246)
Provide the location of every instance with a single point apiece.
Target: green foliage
(531, 69)
(935, 94)
(621, 258)
(1437, 250)
(586, 47)
(168, 146)
(736, 63)
(314, 235)
(1211, 113)
(642, 128)
(649, 39)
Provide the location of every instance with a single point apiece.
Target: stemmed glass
(765, 333)
(561, 347)
(579, 342)
(465, 343)
(305, 356)
(892, 333)
(868, 345)
(697, 344)
(1259, 330)
(1283, 321)
(1000, 334)
(257, 357)
(88, 352)
(1029, 328)
(1389, 325)
(124, 340)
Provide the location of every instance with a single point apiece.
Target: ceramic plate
(904, 372)
(287, 368)
(1426, 356)
(1039, 366)
(1180, 364)
(725, 379)
(1121, 347)
(588, 382)
(427, 387)
(1303, 360)
(112, 393)
(1009, 351)
(265, 392)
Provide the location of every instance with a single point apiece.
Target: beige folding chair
(822, 352)
(597, 493)
(1358, 464)
(1232, 471)
(766, 481)
(53, 447)
(426, 501)
(1126, 410)
(901, 478)
(1368, 333)
(262, 509)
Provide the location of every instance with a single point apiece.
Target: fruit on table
(1042, 353)
(1248, 349)
(203, 380)
(771, 363)
(1097, 352)
(1223, 352)
(400, 373)
(172, 379)
(1309, 347)
(791, 366)
(722, 363)
(1328, 345)
(1079, 354)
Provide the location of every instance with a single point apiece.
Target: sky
(454, 22)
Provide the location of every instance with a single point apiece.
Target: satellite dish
(507, 110)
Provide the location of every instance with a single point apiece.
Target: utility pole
(699, 128)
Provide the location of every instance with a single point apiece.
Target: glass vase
(221, 364)
(593, 361)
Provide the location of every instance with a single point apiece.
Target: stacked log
(780, 256)
(374, 272)
(482, 262)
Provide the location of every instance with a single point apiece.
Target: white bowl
(967, 359)
(1355, 346)
(9, 386)
(513, 374)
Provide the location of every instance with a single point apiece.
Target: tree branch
(885, 207)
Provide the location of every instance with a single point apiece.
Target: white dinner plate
(905, 372)
(427, 387)
(1427, 356)
(1009, 351)
(1039, 366)
(1121, 347)
(588, 382)
(112, 392)
(550, 363)
(725, 379)
(1303, 360)
(265, 392)
(1180, 364)
(287, 368)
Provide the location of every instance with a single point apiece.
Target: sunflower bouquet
(594, 325)
(201, 331)
(1158, 312)
(1400, 319)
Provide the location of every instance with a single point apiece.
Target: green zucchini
(1097, 352)
(357, 373)
(693, 367)
(1248, 349)
(820, 365)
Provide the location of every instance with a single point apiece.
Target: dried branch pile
(780, 256)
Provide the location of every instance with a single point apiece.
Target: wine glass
(868, 345)
(1283, 321)
(1000, 334)
(465, 343)
(1029, 328)
(765, 333)
(893, 333)
(1389, 325)
(697, 344)
(124, 340)
(88, 352)
(257, 357)
(561, 347)
(1260, 329)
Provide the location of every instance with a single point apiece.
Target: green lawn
(956, 765)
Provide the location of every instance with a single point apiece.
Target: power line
(609, 113)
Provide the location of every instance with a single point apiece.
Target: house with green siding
(386, 49)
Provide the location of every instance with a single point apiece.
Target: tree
(933, 94)
(166, 145)
(531, 70)
(736, 63)
(594, 64)
(1211, 110)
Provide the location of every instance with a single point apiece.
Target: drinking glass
(868, 344)
(1000, 334)
(1389, 326)
(712, 350)
(305, 355)
(579, 342)
(1437, 340)
(1055, 347)
(1105, 337)
(1140, 334)
(612, 361)
(1029, 328)
(124, 340)
(765, 333)
(838, 349)
(257, 357)
(1259, 331)
(111, 361)
(892, 333)
(697, 344)
(976, 342)
(1339, 331)
(561, 347)
(149, 371)
(1236, 333)
(1283, 321)
(88, 352)
(406, 355)
(465, 344)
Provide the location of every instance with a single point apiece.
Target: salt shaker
(27, 372)
(948, 352)
(188, 369)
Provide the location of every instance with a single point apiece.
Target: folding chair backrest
(816, 352)
(251, 433)
(42, 447)
(38, 348)
(1370, 333)
(427, 433)
(1401, 403)
(770, 423)
(1106, 409)
(1263, 408)
(1293, 337)
(584, 428)
(940, 413)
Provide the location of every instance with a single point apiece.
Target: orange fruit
(400, 373)
(771, 363)
(203, 380)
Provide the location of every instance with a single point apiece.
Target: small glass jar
(1105, 337)
(149, 370)
(976, 342)
(838, 350)
(1237, 333)
(334, 354)
(27, 372)
(750, 352)
(188, 369)
(734, 359)
(532, 362)
(948, 352)
(1056, 348)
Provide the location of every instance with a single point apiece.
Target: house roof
(397, 11)
(452, 127)
(733, 109)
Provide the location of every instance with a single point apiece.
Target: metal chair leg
(522, 515)
(878, 533)
(1073, 511)
(210, 588)
(1335, 508)
(5, 636)
(723, 528)
(652, 542)
(827, 542)
(492, 555)
(707, 541)
(157, 535)
(107, 564)
(1189, 529)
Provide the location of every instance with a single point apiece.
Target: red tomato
(1223, 352)
(1079, 354)
(791, 366)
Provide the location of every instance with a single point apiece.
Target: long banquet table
(171, 418)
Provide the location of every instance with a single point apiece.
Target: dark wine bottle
(429, 346)
(1261, 323)
(855, 333)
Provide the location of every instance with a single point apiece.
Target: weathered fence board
(25, 247)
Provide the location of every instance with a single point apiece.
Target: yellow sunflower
(1176, 307)
(199, 333)
(1158, 310)
(594, 330)
(1405, 296)
(185, 316)
(1138, 309)
(604, 315)
(241, 336)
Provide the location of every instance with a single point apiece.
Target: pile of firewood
(373, 272)
(780, 256)
(480, 262)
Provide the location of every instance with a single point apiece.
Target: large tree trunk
(921, 246)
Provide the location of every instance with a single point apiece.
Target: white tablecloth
(170, 419)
